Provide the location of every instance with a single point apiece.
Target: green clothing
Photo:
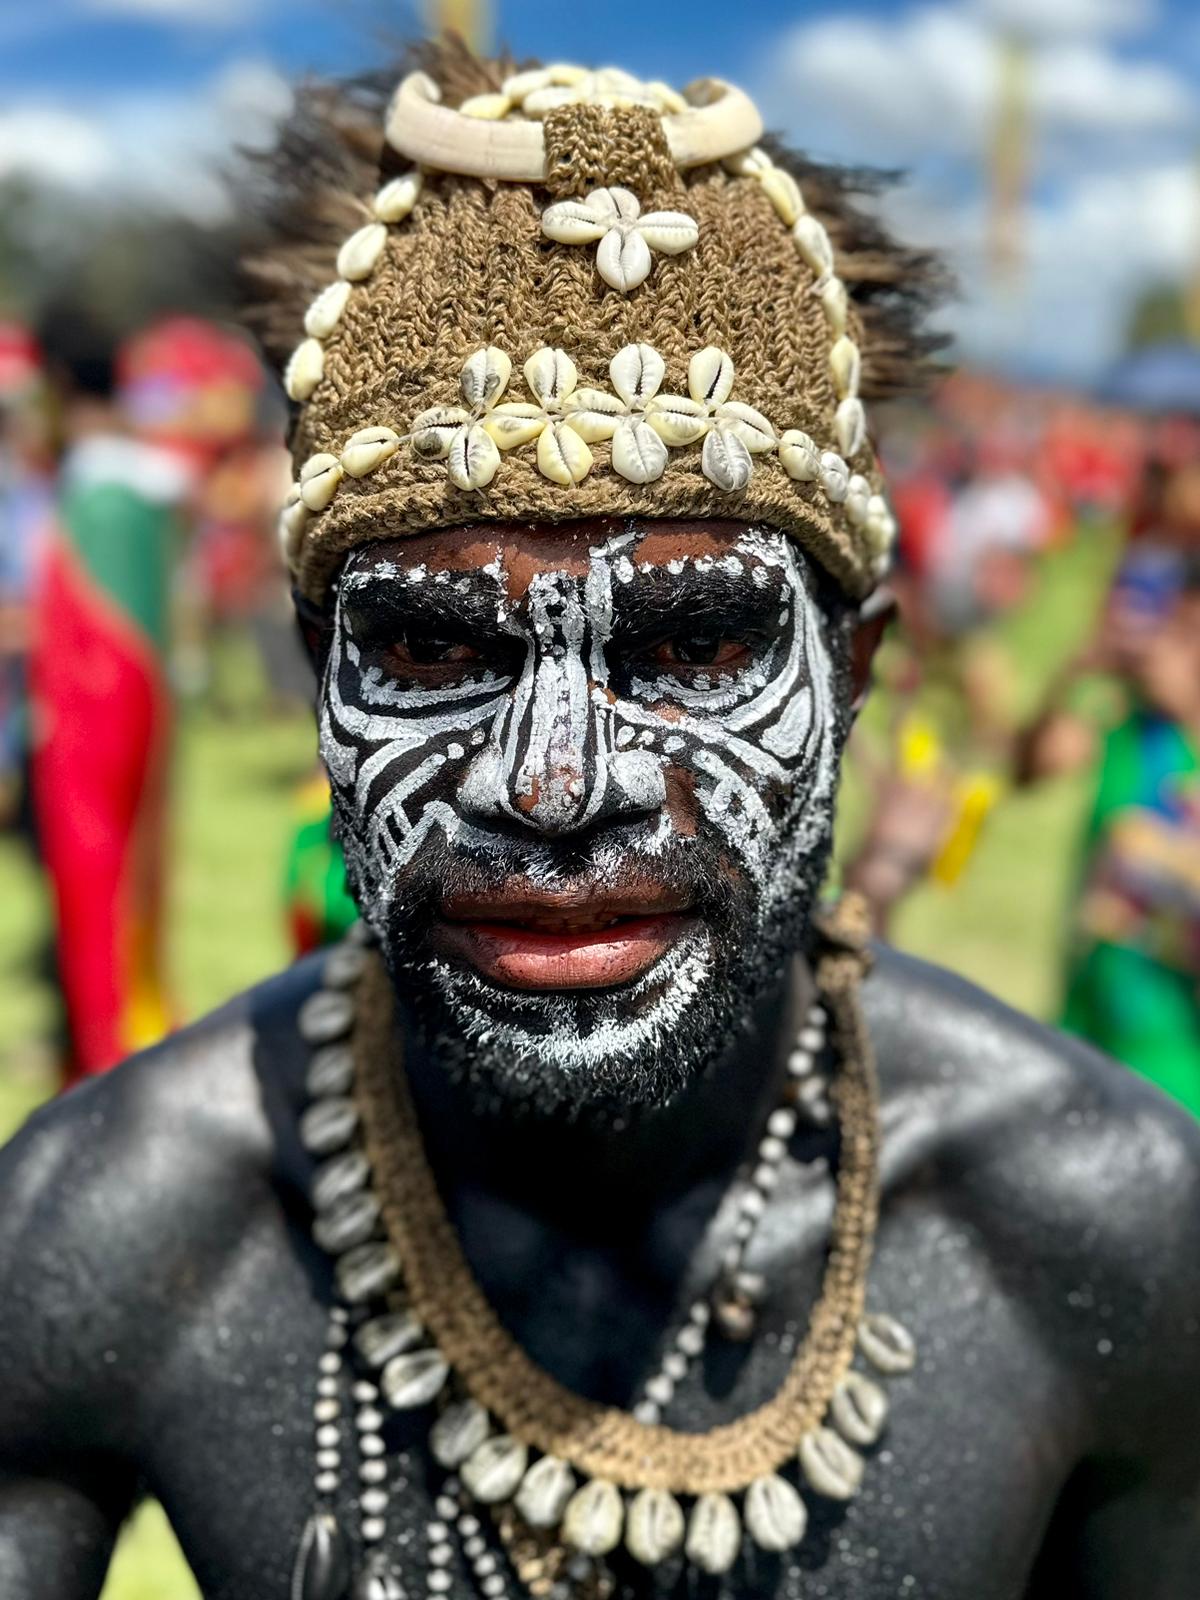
(1133, 983)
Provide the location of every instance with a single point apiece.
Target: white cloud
(924, 82)
(51, 143)
(164, 149)
(1038, 19)
(203, 13)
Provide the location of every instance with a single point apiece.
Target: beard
(597, 1053)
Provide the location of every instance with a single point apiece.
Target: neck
(609, 1174)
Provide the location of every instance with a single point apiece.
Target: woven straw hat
(580, 295)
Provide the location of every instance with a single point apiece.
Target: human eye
(685, 651)
(426, 653)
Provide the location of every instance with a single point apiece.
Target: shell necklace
(567, 1480)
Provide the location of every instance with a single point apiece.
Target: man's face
(584, 781)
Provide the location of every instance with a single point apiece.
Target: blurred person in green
(1132, 979)
(318, 904)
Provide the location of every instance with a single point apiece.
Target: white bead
(811, 1038)
(675, 1366)
(690, 1339)
(326, 1482)
(373, 1471)
(765, 1176)
(752, 1204)
(439, 1582)
(781, 1124)
(772, 1149)
(646, 1412)
(660, 1389)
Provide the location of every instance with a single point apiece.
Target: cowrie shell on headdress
(319, 478)
(845, 363)
(545, 1490)
(726, 460)
(594, 1517)
(623, 259)
(488, 107)
(747, 163)
(357, 258)
(637, 372)
(485, 376)
(782, 190)
(800, 456)
(433, 431)
(638, 454)
(750, 426)
(850, 426)
(858, 494)
(397, 197)
(514, 422)
(551, 375)
(710, 376)
(304, 370)
(367, 449)
(323, 316)
(593, 413)
(836, 304)
(774, 1513)
(677, 419)
(834, 475)
(714, 1534)
(572, 222)
(562, 455)
(654, 1526)
(814, 245)
(473, 459)
(669, 232)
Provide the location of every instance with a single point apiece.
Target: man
(557, 1257)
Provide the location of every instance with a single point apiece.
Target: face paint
(563, 754)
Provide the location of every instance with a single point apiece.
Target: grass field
(234, 779)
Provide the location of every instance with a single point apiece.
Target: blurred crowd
(138, 486)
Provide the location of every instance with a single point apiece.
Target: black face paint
(535, 747)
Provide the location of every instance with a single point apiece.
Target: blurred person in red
(1132, 975)
(100, 695)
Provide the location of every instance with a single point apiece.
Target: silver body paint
(554, 753)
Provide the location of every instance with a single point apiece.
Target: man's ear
(315, 625)
(874, 618)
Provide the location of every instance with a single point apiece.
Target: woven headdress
(573, 294)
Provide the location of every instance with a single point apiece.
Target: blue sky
(147, 95)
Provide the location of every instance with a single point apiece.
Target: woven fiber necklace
(566, 1481)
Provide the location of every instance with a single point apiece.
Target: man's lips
(561, 942)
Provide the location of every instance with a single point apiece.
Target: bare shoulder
(122, 1203)
(1081, 1179)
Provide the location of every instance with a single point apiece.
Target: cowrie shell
(835, 476)
(835, 303)
(545, 1490)
(638, 454)
(858, 1409)
(319, 479)
(551, 376)
(751, 427)
(829, 1464)
(800, 456)
(726, 460)
(458, 1433)
(384, 1338)
(323, 316)
(814, 245)
(398, 196)
(358, 256)
(492, 1471)
(887, 1344)
(414, 1378)
(473, 459)
(623, 259)
(858, 495)
(714, 1534)
(562, 455)
(782, 190)
(368, 449)
(572, 222)
(850, 426)
(434, 430)
(845, 363)
(774, 1513)
(485, 376)
(710, 376)
(593, 1518)
(514, 422)
(677, 419)
(654, 1526)
(747, 163)
(304, 370)
(488, 107)
(637, 372)
(593, 413)
(669, 232)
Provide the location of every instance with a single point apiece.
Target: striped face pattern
(635, 715)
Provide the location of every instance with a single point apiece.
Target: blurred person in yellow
(578, 1225)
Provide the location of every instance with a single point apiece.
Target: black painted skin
(164, 1307)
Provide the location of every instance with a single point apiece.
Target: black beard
(521, 1051)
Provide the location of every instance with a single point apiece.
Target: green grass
(1001, 925)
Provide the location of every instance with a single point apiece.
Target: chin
(600, 1054)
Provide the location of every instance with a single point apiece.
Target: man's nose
(552, 765)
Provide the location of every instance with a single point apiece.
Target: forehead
(518, 552)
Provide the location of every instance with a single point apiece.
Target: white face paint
(564, 738)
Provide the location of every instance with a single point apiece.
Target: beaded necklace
(567, 1481)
